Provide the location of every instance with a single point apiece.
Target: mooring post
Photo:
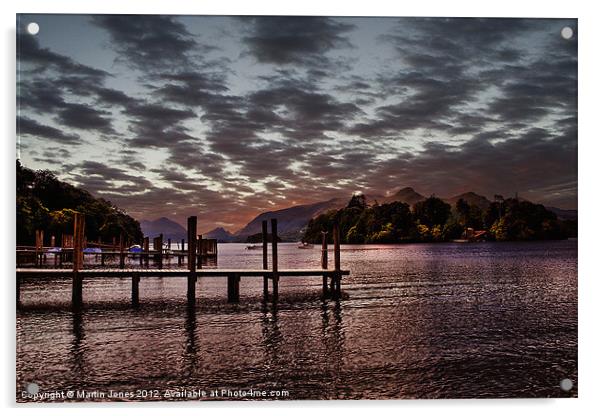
(62, 253)
(121, 252)
(264, 240)
(337, 262)
(78, 259)
(168, 251)
(160, 247)
(192, 222)
(135, 290)
(200, 251)
(53, 244)
(274, 258)
(324, 263)
(145, 249)
(233, 288)
(39, 246)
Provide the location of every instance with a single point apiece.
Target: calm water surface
(415, 321)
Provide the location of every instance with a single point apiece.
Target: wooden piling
(135, 290)
(336, 286)
(145, 250)
(264, 240)
(39, 246)
(233, 288)
(324, 263)
(160, 248)
(274, 258)
(200, 251)
(191, 294)
(78, 259)
(121, 252)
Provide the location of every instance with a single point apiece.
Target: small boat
(135, 249)
(305, 245)
(94, 250)
(253, 247)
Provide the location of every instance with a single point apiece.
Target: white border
(590, 201)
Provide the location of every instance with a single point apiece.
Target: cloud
(86, 118)
(150, 42)
(529, 164)
(30, 52)
(289, 110)
(155, 125)
(286, 40)
(33, 128)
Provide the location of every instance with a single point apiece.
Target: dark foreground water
(415, 321)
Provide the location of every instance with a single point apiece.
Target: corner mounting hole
(32, 388)
(566, 384)
(33, 28)
(566, 33)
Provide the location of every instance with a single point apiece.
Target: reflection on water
(415, 321)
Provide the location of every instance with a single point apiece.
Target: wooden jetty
(39, 254)
(194, 269)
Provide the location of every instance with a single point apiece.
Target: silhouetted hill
(46, 203)
(291, 221)
(564, 214)
(220, 234)
(406, 195)
(471, 198)
(165, 226)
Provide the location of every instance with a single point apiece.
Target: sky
(225, 117)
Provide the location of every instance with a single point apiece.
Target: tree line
(433, 220)
(46, 203)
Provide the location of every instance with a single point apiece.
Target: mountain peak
(405, 195)
(170, 229)
(471, 198)
(220, 234)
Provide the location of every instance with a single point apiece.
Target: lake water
(415, 321)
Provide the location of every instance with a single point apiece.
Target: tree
(357, 201)
(432, 211)
(44, 202)
(463, 210)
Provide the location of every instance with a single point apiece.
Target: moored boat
(305, 245)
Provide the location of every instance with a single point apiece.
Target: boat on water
(305, 245)
(470, 235)
(135, 249)
(94, 250)
(253, 247)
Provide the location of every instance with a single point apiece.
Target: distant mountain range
(471, 198)
(165, 226)
(221, 235)
(293, 220)
(406, 195)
